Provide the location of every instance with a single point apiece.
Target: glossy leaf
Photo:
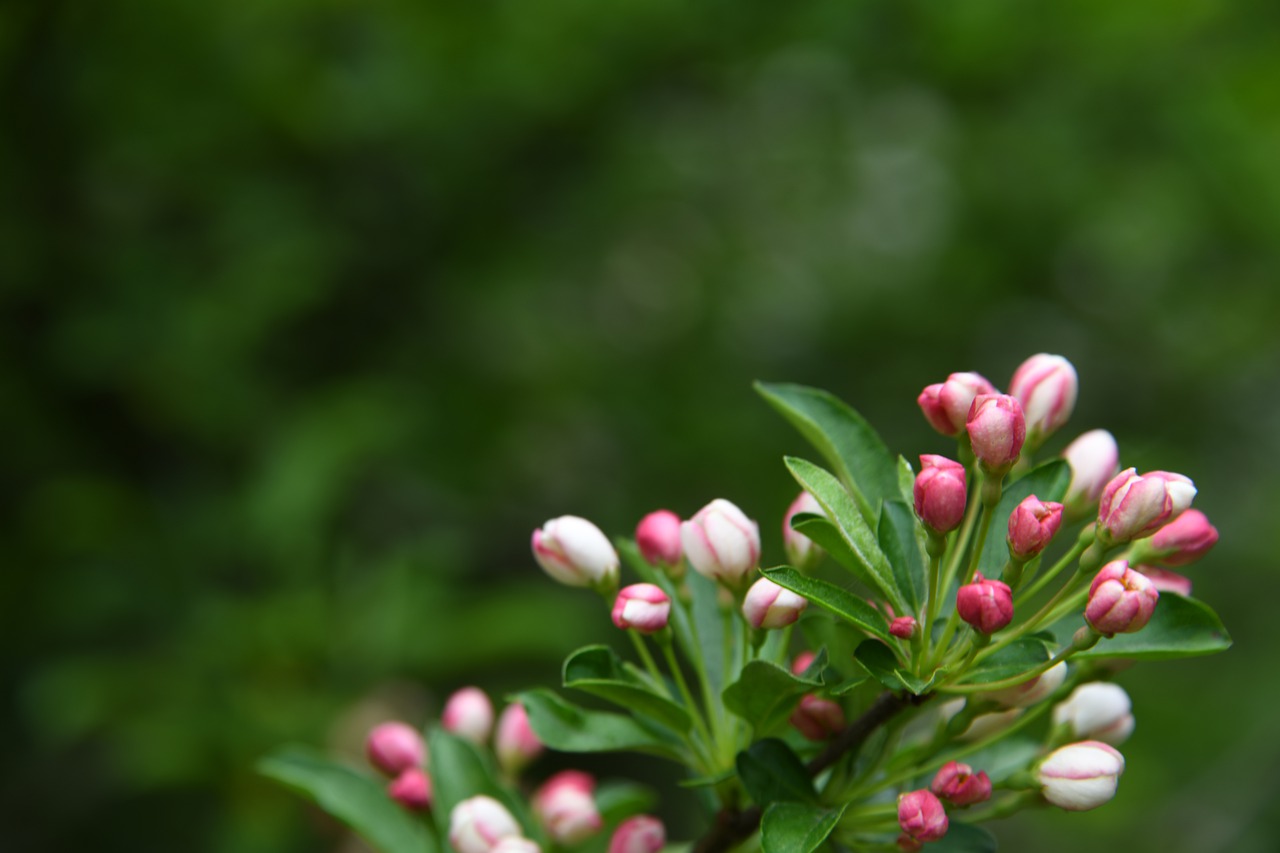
(827, 536)
(766, 694)
(880, 661)
(1021, 655)
(570, 728)
(459, 770)
(620, 800)
(600, 672)
(771, 772)
(1180, 627)
(906, 482)
(1048, 482)
(902, 539)
(828, 596)
(797, 827)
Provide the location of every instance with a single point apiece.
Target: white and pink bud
(1032, 524)
(575, 552)
(721, 543)
(768, 605)
(1098, 710)
(411, 789)
(468, 713)
(1184, 540)
(1121, 600)
(921, 816)
(1166, 581)
(959, 785)
(987, 605)
(1081, 776)
(1031, 691)
(515, 742)
(801, 550)
(566, 806)
(946, 404)
(516, 844)
(1094, 458)
(640, 834)
(939, 492)
(904, 627)
(997, 430)
(1046, 386)
(1134, 506)
(642, 607)
(658, 538)
(394, 747)
(477, 825)
(817, 718)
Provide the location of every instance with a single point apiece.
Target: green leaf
(600, 672)
(902, 540)
(771, 772)
(679, 622)
(460, 771)
(828, 537)
(829, 597)
(765, 695)
(906, 482)
(879, 660)
(797, 827)
(1180, 627)
(1048, 482)
(965, 838)
(822, 633)
(848, 443)
(618, 801)
(353, 798)
(570, 728)
(1023, 654)
(708, 628)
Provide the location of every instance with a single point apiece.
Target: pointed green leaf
(797, 827)
(829, 597)
(600, 672)
(771, 772)
(459, 770)
(880, 660)
(902, 540)
(765, 695)
(827, 537)
(1180, 627)
(708, 628)
(1048, 482)
(1023, 654)
(570, 728)
(906, 482)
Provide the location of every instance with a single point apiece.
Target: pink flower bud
(468, 714)
(516, 844)
(658, 538)
(641, 607)
(1046, 386)
(907, 844)
(904, 627)
(768, 605)
(1094, 459)
(987, 605)
(576, 553)
(478, 824)
(801, 550)
(946, 404)
(1121, 600)
(1185, 539)
(411, 789)
(996, 430)
(1098, 711)
(817, 719)
(640, 834)
(567, 808)
(1081, 776)
(959, 785)
(921, 816)
(939, 492)
(721, 543)
(1033, 690)
(802, 662)
(1134, 506)
(1166, 581)
(395, 747)
(515, 743)
(1031, 525)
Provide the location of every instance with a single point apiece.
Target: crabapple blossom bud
(1098, 710)
(1031, 525)
(1121, 600)
(1134, 506)
(516, 844)
(768, 605)
(959, 785)
(411, 789)
(1046, 386)
(575, 552)
(802, 662)
(394, 747)
(997, 430)
(658, 538)
(921, 816)
(817, 718)
(939, 492)
(801, 550)
(469, 714)
(642, 607)
(904, 627)
(1081, 776)
(478, 824)
(514, 742)
(1184, 540)
(1094, 458)
(1166, 581)
(1030, 692)
(721, 543)
(640, 834)
(985, 604)
(566, 806)
(946, 404)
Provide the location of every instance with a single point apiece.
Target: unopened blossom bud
(1166, 581)
(1032, 524)
(1033, 690)
(478, 824)
(1133, 505)
(575, 552)
(997, 430)
(817, 718)
(1081, 776)
(721, 543)
(802, 662)
(411, 789)
(515, 742)
(640, 834)
(959, 785)
(394, 747)
(1121, 600)
(904, 627)
(468, 714)
(642, 607)
(985, 604)
(567, 808)
(1094, 459)
(946, 404)
(768, 605)
(1046, 386)
(1184, 540)
(939, 492)
(1098, 710)
(658, 538)
(516, 844)
(921, 816)
(801, 550)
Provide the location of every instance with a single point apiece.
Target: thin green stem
(694, 713)
(1045, 577)
(649, 663)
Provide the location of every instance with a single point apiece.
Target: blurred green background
(314, 309)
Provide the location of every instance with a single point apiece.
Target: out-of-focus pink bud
(904, 627)
(946, 404)
(1134, 505)
(817, 718)
(469, 714)
(721, 543)
(939, 492)
(768, 605)
(921, 816)
(642, 607)
(1166, 581)
(515, 743)
(516, 844)
(567, 808)
(640, 834)
(1094, 458)
(658, 538)
(801, 550)
(1046, 386)
(1030, 692)
(907, 844)
(1031, 525)
(1081, 776)
(802, 662)
(1184, 540)
(575, 552)
(394, 747)
(1121, 600)
(478, 824)
(985, 604)
(997, 430)
(1099, 711)
(411, 789)
(959, 785)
